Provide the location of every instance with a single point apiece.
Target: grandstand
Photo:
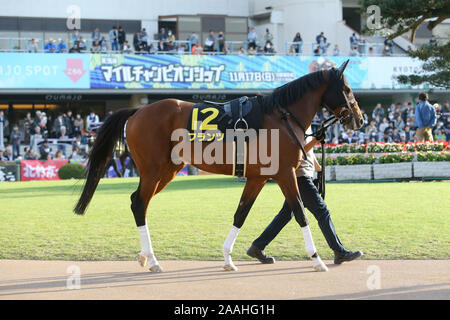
(62, 57)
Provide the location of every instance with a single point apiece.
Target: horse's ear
(342, 68)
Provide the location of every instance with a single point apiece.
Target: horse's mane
(292, 91)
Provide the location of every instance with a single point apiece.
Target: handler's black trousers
(315, 204)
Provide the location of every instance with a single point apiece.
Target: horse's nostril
(361, 121)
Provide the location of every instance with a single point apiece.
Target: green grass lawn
(191, 218)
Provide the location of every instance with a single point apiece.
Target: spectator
(408, 134)
(81, 148)
(2, 155)
(3, 125)
(395, 136)
(78, 125)
(378, 111)
(336, 50)
(82, 45)
(241, 51)
(95, 46)
(32, 46)
(144, 38)
(170, 36)
(114, 39)
(162, 47)
(162, 36)
(439, 135)
(259, 50)
(35, 138)
(268, 48)
(425, 118)
(75, 36)
(96, 36)
(252, 38)
(62, 47)
(221, 42)
(91, 120)
(209, 42)
(103, 45)
(57, 124)
(9, 155)
(323, 46)
(74, 49)
(227, 49)
(389, 45)
(171, 47)
(354, 41)
(297, 43)
(197, 49)
(44, 150)
(320, 37)
(268, 36)
(68, 123)
(59, 155)
(354, 52)
(75, 156)
(193, 39)
(121, 35)
(126, 47)
(137, 41)
(63, 136)
(16, 138)
(50, 46)
(30, 155)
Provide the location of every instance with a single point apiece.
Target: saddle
(209, 121)
(236, 110)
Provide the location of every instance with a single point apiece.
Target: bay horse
(148, 133)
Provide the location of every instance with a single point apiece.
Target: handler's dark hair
(423, 96)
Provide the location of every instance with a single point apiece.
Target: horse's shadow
(121, 279)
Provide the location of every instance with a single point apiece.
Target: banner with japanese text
(40, 170)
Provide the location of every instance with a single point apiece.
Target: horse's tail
(108, 135)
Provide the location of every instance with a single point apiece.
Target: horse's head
(339, 98)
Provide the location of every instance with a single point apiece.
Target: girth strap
(284, 116)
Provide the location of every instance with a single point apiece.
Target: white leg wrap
(146, 244)
(229, 244)
(309, 242)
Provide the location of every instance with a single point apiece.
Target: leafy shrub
(429, 156)
(72, 171)
(395, 158)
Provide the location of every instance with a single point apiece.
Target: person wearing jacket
(425, 118)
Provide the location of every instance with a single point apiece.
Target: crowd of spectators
(36, 135)
(397, 123)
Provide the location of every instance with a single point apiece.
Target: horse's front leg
(289, 187)
(252, 188)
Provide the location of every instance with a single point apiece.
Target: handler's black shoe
(259, 254)
(346, 256)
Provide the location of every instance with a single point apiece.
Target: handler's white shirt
(306, 168)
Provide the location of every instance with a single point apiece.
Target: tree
(408, 15)
(405, 16)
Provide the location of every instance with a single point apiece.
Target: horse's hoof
(230, 267)
(142, 260)
(156, 268)
(320, 267)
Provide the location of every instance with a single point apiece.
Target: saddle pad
(209, 122)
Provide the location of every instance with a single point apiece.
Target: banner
(8, 170)
(44, 71)
(40, 170)
(153, 71)
(199, 72)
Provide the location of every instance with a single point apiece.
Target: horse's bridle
(346, 110)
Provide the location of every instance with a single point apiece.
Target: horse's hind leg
(251, 191)
(289, 187)
(139, 203)
(148, 187)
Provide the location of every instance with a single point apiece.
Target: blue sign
(44, 70)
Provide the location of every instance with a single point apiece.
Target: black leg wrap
(138, 209)
(300, 215)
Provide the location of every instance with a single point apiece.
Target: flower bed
(380, 147)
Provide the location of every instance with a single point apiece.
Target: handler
(314, 203)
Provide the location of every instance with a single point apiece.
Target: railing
(185, 47)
